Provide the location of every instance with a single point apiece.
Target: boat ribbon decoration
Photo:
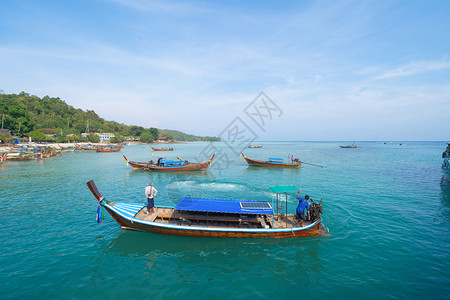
(100, 212)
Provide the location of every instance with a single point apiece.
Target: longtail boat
(348, 146)
(250, 146)
(66, 148)
(108, 149)
(22, 156)
(161, 149)
(47, 152)
(88, 147)
(178, 166)
(3, 157)
(56, 152)
(272, 162)
(446, 162)
(204, 217)
(165, 165)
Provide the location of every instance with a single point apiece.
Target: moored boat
(204, 217)
(47, 152)
(446, 163)
(348, 146)
(250, 146)
(17, 156)
(88, 147)
(162, 149)
(66, 148)
(272, 162)
(108, 149)
(166, 165)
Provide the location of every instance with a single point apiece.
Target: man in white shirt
(150, 193)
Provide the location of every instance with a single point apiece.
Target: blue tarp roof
(224, 206)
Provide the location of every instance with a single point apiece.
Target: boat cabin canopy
(172, 163)
(283, 189)
(224, 206)
(276, 160)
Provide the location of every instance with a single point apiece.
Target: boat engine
(315, 210)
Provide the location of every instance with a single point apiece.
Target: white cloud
(414, 68)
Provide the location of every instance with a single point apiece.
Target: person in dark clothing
(302, 206)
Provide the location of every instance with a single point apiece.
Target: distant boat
(250, 146)
(88, 147)
(165, 165)
(22, 156)
(272, 162)
(348, 146)
(446, 163)
(108, 149)
(47, 152)
(67, 148)
(207, 217)
(161, 149)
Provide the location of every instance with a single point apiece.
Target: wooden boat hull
(108, 150)
(255, 162)
(161, 149)
(131, 223)
(136, 164)
(190, 167)
(125, 216)
(10, 157)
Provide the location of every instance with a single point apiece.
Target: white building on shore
(104, 137)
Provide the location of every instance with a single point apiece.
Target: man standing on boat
(302, 205)
(150, 193)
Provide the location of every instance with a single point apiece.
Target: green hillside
(181, 136)
(24, 113)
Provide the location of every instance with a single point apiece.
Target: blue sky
(339, 70)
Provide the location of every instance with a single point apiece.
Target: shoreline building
(104, 136)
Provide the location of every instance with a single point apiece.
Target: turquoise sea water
(386, 209)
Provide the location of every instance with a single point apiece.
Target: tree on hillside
(93, 138)
(39, 136)
(135, 130)
(117, 139)
(17, 119)
(146, 136)
(154, 132)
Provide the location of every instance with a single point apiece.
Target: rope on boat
(100, 213)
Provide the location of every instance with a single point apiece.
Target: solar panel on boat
(256, 205)
(223, 206)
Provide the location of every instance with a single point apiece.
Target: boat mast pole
(273, 215)
(286, 207)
